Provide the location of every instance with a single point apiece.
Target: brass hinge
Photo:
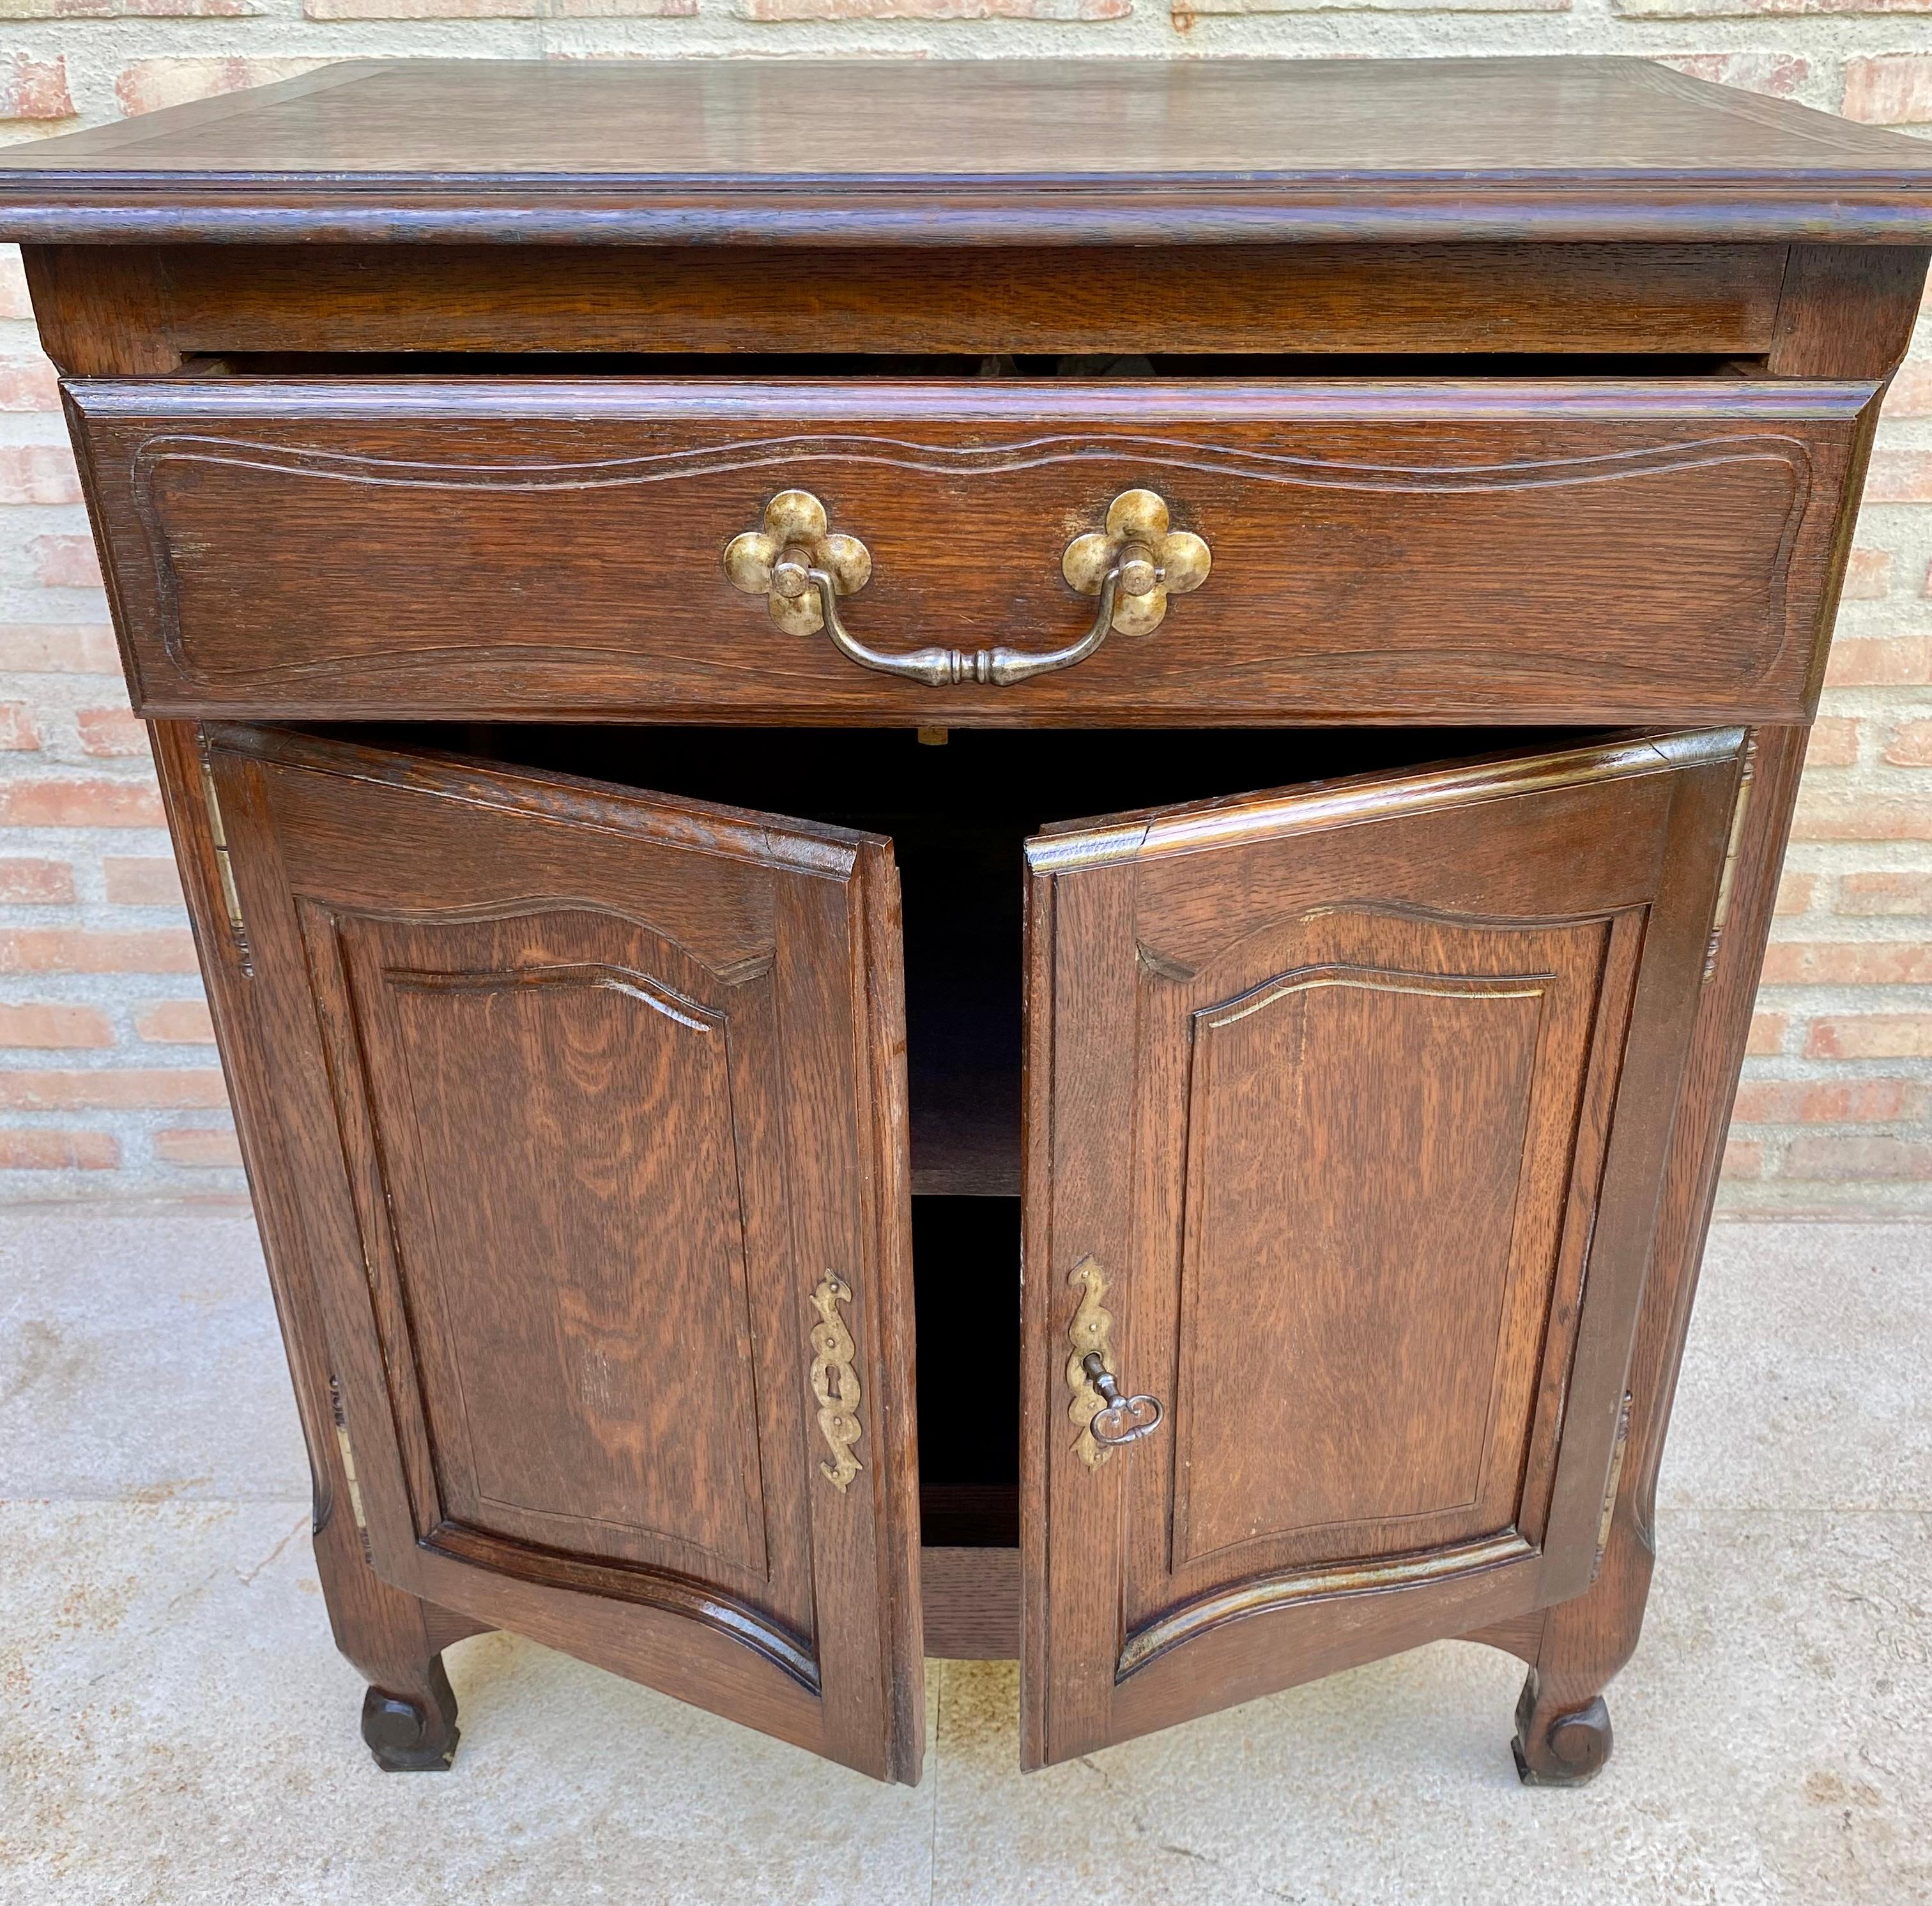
(348, 1454)
(1617, 1453)
(224, 864)
(1746, 771)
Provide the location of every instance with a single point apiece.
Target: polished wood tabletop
(1565, 147)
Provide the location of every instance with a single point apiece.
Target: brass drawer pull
(801, 568)
(1123, 1419)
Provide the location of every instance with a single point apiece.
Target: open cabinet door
(592, 1104)
(1347, 1113)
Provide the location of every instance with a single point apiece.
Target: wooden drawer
(1496, 551)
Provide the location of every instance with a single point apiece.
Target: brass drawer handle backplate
(802, 567)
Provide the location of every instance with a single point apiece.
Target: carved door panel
(1347, 1113)
(594, 1104)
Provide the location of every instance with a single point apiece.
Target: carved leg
(412, 1730)
(394, 1641)
(1554, 1749)
(1563, 1727)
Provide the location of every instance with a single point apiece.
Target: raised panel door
(594, 1101)
(1347, 1109)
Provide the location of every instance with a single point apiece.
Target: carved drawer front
(1480, 551)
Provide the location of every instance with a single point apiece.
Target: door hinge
(1617, 1453)
(1746, 770)
(348, 1455)
(224, 864)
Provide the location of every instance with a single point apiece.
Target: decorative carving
(597, 974)
(834, 1381)
(158, 458)
(414, 1732)
(1564, 1749)
(1258, 1595)
(1088, 1335)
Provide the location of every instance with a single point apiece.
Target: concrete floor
(176, 1726)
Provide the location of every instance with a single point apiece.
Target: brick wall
(107, 1081)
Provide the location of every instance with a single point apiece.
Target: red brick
(500, 9)
(65, 562)
(1062, 10)
(177, 1022)
(151, 83)
(36, 882)
(1821, 817)
(37, 473)
(1779, 74)
(106, 1088)
(54, 1026)
(59, 649)
(14, 301)
(26, 1150)
(1868, 575)
(33, 88)
(1910, 745)
(1900, 476)
(1848, 963)
(1825, 1101)
(198, 1145)
(28, 383)
(145, 882)
(1725, 9)
(1871, 1035)
(1795, 893)
(1885, 893)
(1888, 89)
(80, 949)
(1767, 1033)
(1833, 743)
(43, 800)
(1853, 1158)
(1744, 1157)
(128, 9)
(1911, 392)
(1881, 661)
(18, 734)
(111, 731)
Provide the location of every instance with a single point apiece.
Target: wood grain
(939, 153)
(1576, 1648)
(266, 541)
(536, 300)
(392, 1638)
(1395, 1358)
(540, 1114)
(1392, 1106)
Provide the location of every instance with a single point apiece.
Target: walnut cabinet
(992, 891)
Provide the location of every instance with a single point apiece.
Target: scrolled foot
(413, 1733)
(1559, 1749)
